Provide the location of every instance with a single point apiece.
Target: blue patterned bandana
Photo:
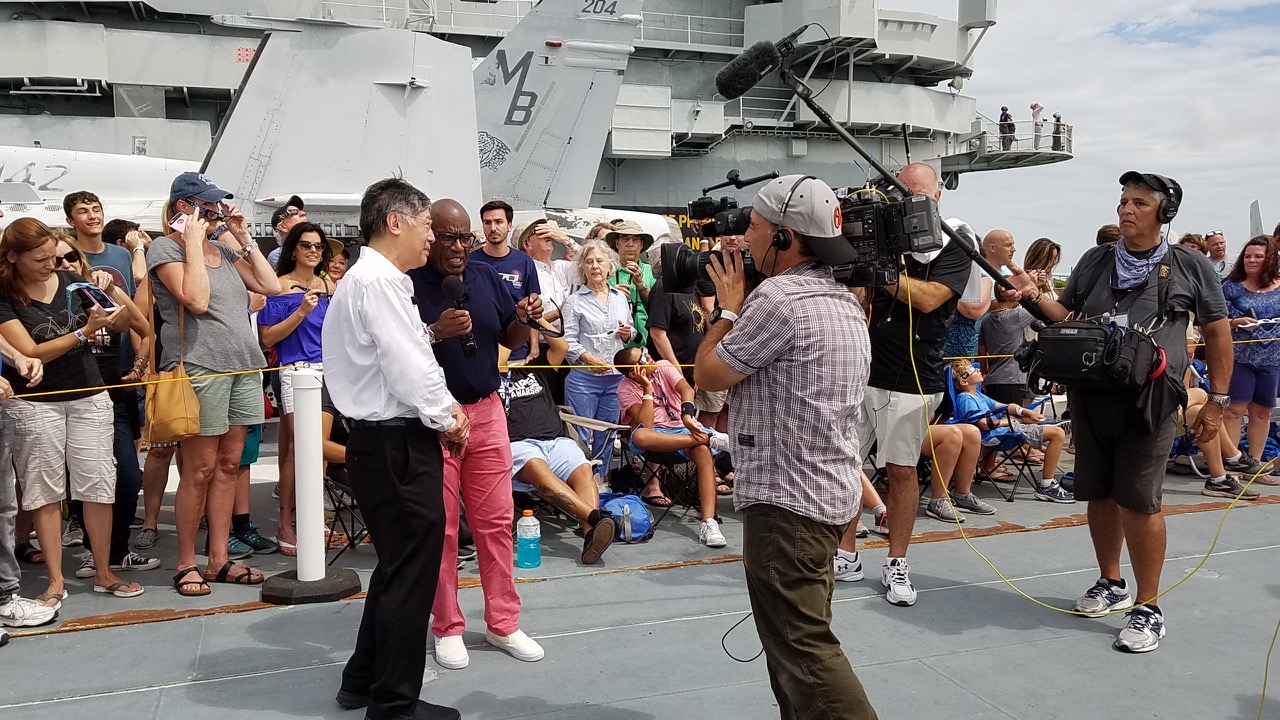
(1131, 271)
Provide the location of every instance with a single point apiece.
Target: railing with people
(1021, 136)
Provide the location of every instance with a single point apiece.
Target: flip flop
(724, 489)
(658, 501)
(42, 597)
(287, 549)
(115, 588)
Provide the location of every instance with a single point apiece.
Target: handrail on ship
(1023, 137)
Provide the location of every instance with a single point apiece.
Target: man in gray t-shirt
(1119, 463)
(1002, 333)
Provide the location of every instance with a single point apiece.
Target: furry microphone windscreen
(743, 72)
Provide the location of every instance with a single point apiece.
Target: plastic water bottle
(528, 541)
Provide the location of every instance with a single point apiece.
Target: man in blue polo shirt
(491, 317)
(514, 267)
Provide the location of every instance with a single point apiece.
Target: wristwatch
(722, 314)
(1220, 400)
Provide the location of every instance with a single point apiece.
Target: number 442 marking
(600, 7)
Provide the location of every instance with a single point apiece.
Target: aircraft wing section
(324, 112)
(545, 97)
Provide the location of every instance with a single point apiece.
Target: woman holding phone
(291, 323)
(65, 438)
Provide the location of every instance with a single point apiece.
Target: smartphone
(178, 223)
(92, 294)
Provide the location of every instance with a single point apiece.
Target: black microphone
(453, 290)
(743, 72)
(1037, 325)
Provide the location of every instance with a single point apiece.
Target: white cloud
(1173, 88)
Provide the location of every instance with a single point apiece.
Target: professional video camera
(879, 224)
(724, 217)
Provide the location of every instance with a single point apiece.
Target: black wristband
(688, 408)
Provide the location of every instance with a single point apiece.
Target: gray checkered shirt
(801, 340)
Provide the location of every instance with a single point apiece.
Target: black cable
(725, 647)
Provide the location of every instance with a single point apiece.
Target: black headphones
(785, 236)
(1168, 209)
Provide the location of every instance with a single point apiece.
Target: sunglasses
(447, 239)
(290, 212)
(965, 375)
(70, 258)
(311, 246)
(304, 289)
(1211, 233)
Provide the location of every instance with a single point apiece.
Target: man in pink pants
(465, 326)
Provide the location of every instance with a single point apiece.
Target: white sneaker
(719, 441)
(848, 566)
(21, 612)
(451, 652)
(1142, 633)
(517, 645)
(896, 577)
(709, 534)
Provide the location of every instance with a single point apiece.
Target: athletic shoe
(895, 576)
(848, 566)
(18, 611)
(517, 645)
(719, 441)
(1246, 464)
(1143, 632)
(134, 561)
(1068, 483)
(250, 536)
(146, 539)
(881, 526)
(1103, 598)
(451, 652)
(73, 536)
(136, 523)
(972, 503)
(1228, 487)
(861, 530)
(4, 637)
(941, 509)
(466, 552)
(709, 534)
(1053, 492)
(88, 568)
(237, 550)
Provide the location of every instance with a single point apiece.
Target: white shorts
(898, 421)
(67, 440)
(286, 387)
(561, 454)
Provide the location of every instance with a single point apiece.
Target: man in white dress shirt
(382, 374)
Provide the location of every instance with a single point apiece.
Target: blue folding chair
(1003, 442)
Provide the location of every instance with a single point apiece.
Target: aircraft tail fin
(1255, 220)
(307, 121)
(544, 99)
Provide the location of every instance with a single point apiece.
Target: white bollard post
(308, 463)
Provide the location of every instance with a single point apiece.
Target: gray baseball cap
(811, 209)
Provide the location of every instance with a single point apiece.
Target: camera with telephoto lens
(719, 217)
(881, 226)
(681, 266)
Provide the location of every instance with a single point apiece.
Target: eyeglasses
(1211, 233)
(630, 239)
(965, 375)
(447, 239)
(213, 213)
(311, 246)
(70, 258)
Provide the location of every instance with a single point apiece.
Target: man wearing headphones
(794, 356)
(908, 327)
(1119, 465)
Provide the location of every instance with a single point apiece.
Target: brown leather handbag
(173, 410)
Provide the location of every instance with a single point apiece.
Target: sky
(1187, 90)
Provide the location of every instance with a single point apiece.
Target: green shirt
(638, 310)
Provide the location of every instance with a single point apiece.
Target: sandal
(184, 586)
(658, 501)
(724, 488)
(248, 577)
(287, 549)
(117, 589)
(29, 553)
(42, 598)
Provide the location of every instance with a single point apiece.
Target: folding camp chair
(524, 494)
(347, 522)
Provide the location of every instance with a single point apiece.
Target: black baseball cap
(279, 214)
(1159, 183)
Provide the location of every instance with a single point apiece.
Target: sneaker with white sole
(881, 526)
(709, 534)
(942, 510)
(73, 536)
(847, 566)
(451, 652)
(1246, 464)
(134, 561)
(895, 576)
(1054, 492)
(88, 568)
(1228, 487)
(972, 503)
(719, 441)
(861, 530)
(18, 611)
(1104, 598)
(517, 645)
(1143, 631)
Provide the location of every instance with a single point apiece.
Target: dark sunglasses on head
(1211, 233)
(70, 258)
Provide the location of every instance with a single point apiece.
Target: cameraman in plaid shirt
(795, 357)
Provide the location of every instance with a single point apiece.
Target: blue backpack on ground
(632, 517)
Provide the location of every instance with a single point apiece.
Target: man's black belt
(393, 422)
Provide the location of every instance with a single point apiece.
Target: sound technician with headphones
(1141, 282)
(794, 356)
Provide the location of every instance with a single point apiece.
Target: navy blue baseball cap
(196, 185)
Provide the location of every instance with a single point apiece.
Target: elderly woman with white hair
(597, 324)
